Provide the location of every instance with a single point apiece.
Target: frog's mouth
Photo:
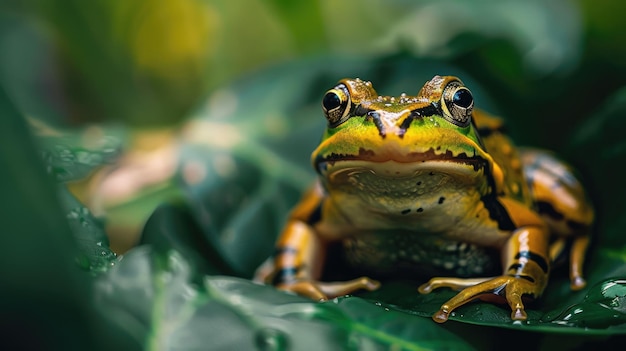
(403, 165)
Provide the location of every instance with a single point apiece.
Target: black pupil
(462, 98)
(331, 101)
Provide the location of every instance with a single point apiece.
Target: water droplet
(270, 339)
(603, 306)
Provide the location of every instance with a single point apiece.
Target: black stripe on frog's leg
(541, 262)
(544, 207)
(285, 250)
(515, 268)
(576, 226)
(526, 277)
(485, 132)
(288, 273)
(285, 275)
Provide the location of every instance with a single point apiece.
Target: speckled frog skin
(428, 185)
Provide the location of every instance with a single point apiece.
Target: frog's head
(400, 137)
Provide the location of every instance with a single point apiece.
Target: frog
(430, 187)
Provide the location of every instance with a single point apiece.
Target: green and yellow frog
(428, 185)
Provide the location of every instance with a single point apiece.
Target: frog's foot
(509, 287)
(322, 291)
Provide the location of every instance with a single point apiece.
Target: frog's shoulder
(486, 123)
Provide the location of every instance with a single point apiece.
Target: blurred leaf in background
(149, 62)
(141, 62)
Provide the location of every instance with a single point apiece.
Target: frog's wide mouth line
(406, 164)
(398, 170)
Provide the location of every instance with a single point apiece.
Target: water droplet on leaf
(270, 339)
(603, 306)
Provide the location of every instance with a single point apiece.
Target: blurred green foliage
(238, 84)
(148, 63)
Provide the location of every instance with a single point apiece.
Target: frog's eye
(457, 104)
(336, 105)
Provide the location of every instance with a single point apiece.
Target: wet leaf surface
(89, 235)
(74, 154)
(176, 311)
(45, 300)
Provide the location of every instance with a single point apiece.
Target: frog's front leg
(298, 263)
(526, 272)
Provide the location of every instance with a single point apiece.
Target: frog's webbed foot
(321, 291)
(509, 287)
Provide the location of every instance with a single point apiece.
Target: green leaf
(74, 154)
(598, 147)
(544, 36)
(46, 302)
(231, 313)
(89, 235)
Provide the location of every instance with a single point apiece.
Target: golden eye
(457, 104)
(336, 105)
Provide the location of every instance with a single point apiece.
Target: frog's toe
(305, 288)
(441, 316)
(334, 289)
(322, 291)
(514, 299)
(463, 297)
(577, 283)
(453, 283)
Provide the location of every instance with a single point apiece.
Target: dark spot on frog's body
(420, 210)
(576, 226)
(419, 183)
(405, 211)
(544, 207)
(441, 200)
(431, 173)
